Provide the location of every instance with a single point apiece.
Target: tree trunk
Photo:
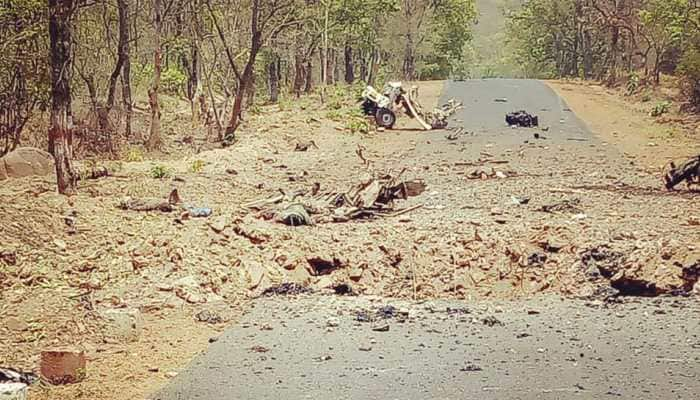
(374, 66)
(273, 79)
(349, 66)
(122, 49)
(154, 139)
(250, 90)
(241, 91)
(193, 81)
(330, 66)
(409, 59)
(60, 134)
(126, 98)
(299, 78)
(309, 75)
(363, 67)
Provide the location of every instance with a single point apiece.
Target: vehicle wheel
(385, 118)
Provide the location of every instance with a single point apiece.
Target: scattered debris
(688, 172)
(199, 212)
(305, 146)
(457, 311)
(343, 289)
(471, 368)
(536, 259)
(602, 260)
(286, 289)
(295, 215)
(324, 265)
(259, 349)
(520, 200)
(491, 321)
(382, 313)
(455, 134)
(373, 197)
(208, 317)
(522, 118)
(564, 206)
(487, 173)
(151, 204)
(10, 375)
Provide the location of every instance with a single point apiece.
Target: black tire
(385, 118)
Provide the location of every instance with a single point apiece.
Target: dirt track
(472, 238)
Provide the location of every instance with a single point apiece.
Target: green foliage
(358, 125)
(197, 166)
(173, 80)
(285, 104)
(453, 20)
(335, 115)
(254, 109)
(159, 171)
(133, 154)
(660, 109)
(632, 84)
(689, 71)
(24, 73)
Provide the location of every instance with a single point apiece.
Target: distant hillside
(489, 56)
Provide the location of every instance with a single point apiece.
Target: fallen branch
(405, 211)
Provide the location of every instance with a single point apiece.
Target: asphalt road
(546, 348)
(315, 347)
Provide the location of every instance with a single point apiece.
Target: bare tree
(60, 134)
(154, 138)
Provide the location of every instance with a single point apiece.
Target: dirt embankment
(625, 122)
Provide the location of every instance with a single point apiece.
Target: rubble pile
(373, 197)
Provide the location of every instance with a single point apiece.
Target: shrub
(660, 109)
(197, 166)
(134, 154)
(632, 84)
(172, 80)
(689, 71)
(159, 171)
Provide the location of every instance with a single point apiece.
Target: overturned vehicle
(383, 107)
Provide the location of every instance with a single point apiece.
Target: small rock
(381, 328)
(170, 374)
(219, 224)
(123, 324)
(365, 348)
(491, 321)
(15, 324)
(60, 244)
(208, 317)
(332, 322)
(355, 273)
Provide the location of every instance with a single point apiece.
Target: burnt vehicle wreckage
(384, 106)
(688, 172)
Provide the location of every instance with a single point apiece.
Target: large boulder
(26, 161)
